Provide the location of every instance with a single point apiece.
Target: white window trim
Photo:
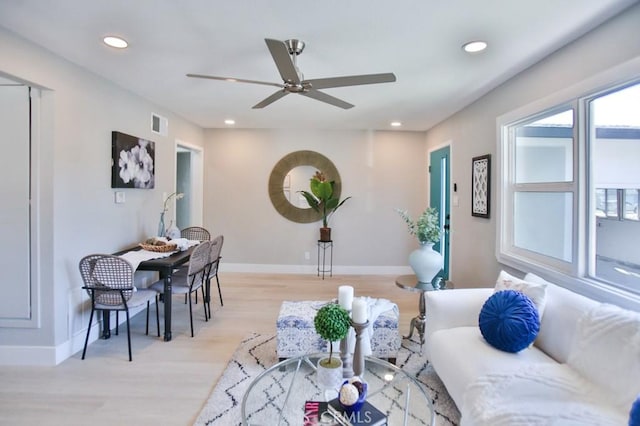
(571, 276)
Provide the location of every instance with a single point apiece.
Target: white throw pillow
(606, 350)
(535, 291)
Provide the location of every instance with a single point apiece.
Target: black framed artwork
(132, 162)
(481, 185)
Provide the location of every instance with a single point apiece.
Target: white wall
(78, 213)
(618, 239)
(473, 132)
(380, 170)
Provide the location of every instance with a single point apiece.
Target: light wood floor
(168, 382)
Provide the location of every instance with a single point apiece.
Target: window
(542, 185)
(607, 203)
(630, 210)
(569, 189)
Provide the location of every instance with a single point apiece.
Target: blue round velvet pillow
(634, 415)
(509, 321)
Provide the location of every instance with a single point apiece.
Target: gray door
(15, 285)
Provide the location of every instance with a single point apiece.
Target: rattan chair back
(214, 254)
(195, 233)
(108, 279)
(198, 263)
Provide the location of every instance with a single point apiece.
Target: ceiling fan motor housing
(295, 46)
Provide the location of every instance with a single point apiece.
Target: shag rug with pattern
(257, 352)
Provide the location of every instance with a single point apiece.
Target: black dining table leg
(167, 304)
(106, 324)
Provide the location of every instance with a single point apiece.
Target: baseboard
(312, 269)
(49, 356)
(44, 356)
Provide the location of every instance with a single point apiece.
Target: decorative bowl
(159, 249)
(357, 405)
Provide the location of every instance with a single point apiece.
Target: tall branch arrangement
(426, 227)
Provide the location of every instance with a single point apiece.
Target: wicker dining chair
(214, 262)
(195, 233)
(193, 280)
(109, 281)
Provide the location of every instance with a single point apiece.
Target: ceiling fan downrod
(295, 48)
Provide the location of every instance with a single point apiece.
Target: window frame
(508, 252)
(579, 274)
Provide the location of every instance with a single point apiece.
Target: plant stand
(323, 246)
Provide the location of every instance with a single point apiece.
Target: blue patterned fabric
(634, 415)
(509, 321)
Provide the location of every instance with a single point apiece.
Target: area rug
(257, 352)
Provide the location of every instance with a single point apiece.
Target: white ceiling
(418, 40)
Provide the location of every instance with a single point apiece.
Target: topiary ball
(509, 321)
(634, 415)
(332, 322)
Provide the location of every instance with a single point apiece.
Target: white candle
(359, 310)
(345, 296)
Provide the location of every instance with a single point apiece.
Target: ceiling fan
(284, 54)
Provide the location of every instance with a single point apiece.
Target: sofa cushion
(562, 312)
(535, 291)
(538, 394)
(509, 321)
(460, 355)
(606, 350)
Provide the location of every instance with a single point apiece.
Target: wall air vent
(159, 124)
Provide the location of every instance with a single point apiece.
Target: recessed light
(396, 124)
(229, 122)
(474, 46)
(117, 42)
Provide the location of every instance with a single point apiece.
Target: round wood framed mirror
(281, 172)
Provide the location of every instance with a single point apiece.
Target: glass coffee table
(278, 395)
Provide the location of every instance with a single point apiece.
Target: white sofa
(583, 368)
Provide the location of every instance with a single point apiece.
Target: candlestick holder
(345, 355)
(358, 355)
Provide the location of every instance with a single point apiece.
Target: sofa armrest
(454, 308)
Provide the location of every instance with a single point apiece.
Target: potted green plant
(332, 323)
(321, 199)
(425, 262)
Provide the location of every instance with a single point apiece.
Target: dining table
(165, 267)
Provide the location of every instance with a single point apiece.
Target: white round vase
(426, 262)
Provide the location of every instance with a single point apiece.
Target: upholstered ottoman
(296, 334)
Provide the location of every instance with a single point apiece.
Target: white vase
(173, 232)
(426, 262)
(330, 377)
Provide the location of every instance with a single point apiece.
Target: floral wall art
(132, 162)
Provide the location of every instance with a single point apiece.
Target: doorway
(189, 181)
(439, 198)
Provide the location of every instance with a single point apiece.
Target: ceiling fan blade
(235, 80)
(351, 80)
(271, 99)
(281, 57)
(321, 96)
